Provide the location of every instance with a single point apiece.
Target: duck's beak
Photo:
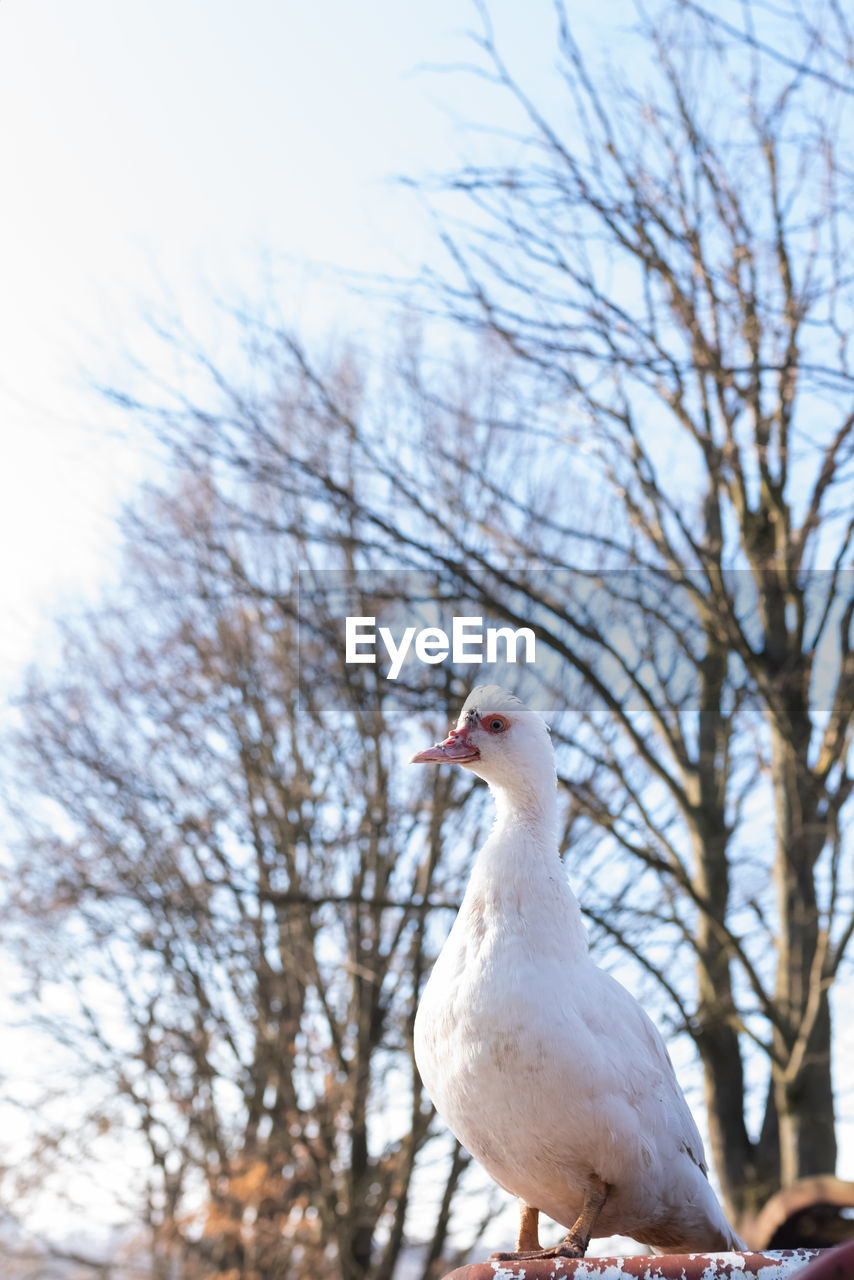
(456, 749)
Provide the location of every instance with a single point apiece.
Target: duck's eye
(495, 724)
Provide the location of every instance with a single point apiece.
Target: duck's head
(500, 739)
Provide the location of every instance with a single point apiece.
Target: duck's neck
(522, 846)
(518, 876)
(530, 807)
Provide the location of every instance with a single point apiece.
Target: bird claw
(566, 1249)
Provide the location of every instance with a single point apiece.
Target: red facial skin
(456, 749)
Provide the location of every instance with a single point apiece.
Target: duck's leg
(575, 1242)
(528, 1239)
(529, 1228)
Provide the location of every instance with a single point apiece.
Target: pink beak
(454, 750)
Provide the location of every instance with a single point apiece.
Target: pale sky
(165, 150)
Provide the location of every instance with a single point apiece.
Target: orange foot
(568, 1248)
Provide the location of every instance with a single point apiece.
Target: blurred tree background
(623, 416)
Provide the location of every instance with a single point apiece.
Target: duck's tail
(697, 1229)
(725, 1239)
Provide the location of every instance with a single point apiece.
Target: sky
(173, 153)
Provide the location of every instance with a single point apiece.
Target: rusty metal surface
(781, 1264)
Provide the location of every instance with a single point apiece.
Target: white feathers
(543, 1066)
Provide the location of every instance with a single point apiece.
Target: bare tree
(229, 878)
(670, 262)
(658, 289)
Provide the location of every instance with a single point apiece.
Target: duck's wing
(646, 1066)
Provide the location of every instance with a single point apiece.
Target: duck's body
(543, 1066)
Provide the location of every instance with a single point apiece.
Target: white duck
(541, 1064)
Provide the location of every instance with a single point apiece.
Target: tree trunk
(716, 1033)
(723, 1070)
(802, 1083)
